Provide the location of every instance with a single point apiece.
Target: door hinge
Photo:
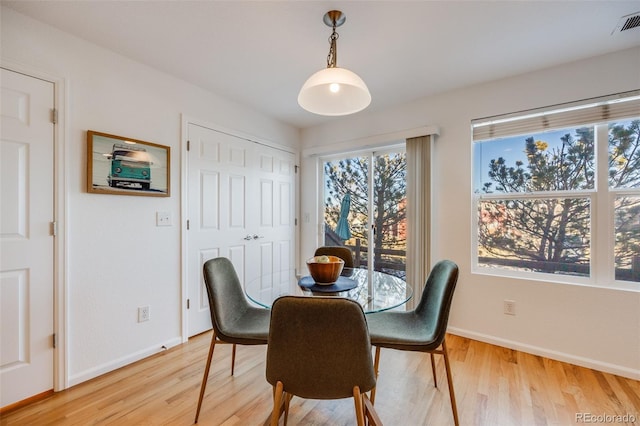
(296, 168)
(188, 145)
(54, 338)
(187, 224)
(296, 221)
(188, 303)
(53, 228)
(54, 116)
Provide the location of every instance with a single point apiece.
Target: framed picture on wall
(126, 166)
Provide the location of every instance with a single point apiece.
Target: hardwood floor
(493, 385)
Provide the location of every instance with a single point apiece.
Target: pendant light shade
(334, 91)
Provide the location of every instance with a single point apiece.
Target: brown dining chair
(234, 320)
(422, 329)
(342, 252)
(319, 348)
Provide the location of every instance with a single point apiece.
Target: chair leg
(357, 399)
(433, 370)
(203, 386)
(447, 366)
(370, 414)
(376, 364)
(278, 403)
(287, 401)
(233, 358)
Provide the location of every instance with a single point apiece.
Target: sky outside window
(512, 149)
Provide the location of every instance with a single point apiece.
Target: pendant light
(334, 91)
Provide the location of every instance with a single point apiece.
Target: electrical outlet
(509, 307)
(144, 314)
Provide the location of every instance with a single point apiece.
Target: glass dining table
(375, 291)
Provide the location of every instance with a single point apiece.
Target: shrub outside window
(549, 200)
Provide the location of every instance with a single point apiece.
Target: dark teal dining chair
(234, 320)
(319, 348)
(422, 329)
(342, 252)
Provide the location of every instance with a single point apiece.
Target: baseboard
(121, 362)
(547, 353)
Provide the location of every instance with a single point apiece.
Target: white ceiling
(259, 53)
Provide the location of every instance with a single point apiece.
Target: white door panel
(240, 206)
(26, 252)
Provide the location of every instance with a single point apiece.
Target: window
(357, 202)
(557, 191)
(624, 185)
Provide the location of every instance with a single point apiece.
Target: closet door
(240, 206)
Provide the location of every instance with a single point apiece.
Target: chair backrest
(342, 252)
(436, 298)
(226, 297)
(319, 347)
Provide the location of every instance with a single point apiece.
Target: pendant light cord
(332, 57)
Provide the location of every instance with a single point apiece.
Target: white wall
(116, 258)
(591, 326)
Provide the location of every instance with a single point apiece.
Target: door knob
(255, 237)
(248, 238)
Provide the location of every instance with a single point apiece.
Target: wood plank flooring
(493, 385)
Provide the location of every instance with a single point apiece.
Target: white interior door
(26, 256)
(240, 202)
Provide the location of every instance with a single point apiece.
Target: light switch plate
(163, 219)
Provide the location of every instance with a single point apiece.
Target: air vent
(627, 22)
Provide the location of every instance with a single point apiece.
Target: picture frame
(124, 166)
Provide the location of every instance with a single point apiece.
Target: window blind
(592, 111)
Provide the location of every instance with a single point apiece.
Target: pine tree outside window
(376, 185)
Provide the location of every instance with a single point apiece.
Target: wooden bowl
(325, 273)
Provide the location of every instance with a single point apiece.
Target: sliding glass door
(365, 206)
